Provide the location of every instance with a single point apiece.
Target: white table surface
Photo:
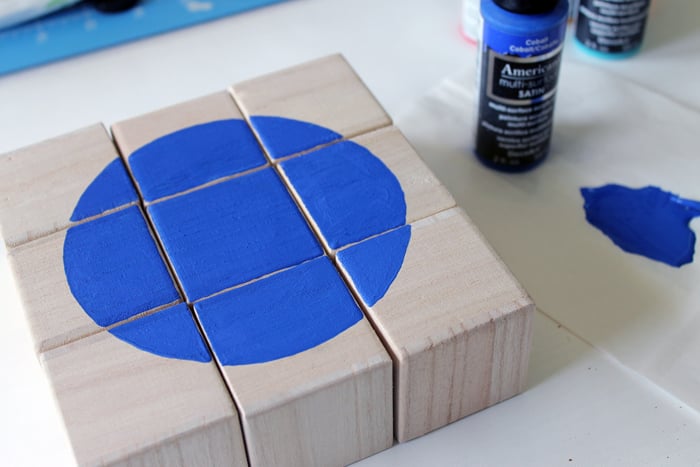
(615, 369)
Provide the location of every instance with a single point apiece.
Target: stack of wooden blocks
(265, 276)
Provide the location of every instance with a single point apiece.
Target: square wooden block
(232, 232)
(188, 145)
(123, 405)
(308, 105)
(355, 189)
(456, 322)
(311, 379)
(344, 297)
(93, 275)
(51, 185)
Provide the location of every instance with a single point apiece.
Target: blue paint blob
(350, 193)
(114, 268)
(194, 156)
(232, 232)
(646, 221)
(284, 137)
(374, 264)
(110, 189)
(278, 316)
(170, 333)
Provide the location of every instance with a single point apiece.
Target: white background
(615, 369)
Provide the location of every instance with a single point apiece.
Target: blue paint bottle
(611, 29)
(518, 72)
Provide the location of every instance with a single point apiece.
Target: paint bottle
(518, 72)
(611, 29)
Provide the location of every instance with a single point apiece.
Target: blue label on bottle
(524, 46)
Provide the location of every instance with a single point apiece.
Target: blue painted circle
(114, 270)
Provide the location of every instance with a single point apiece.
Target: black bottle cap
(527, 7)
(113, 6)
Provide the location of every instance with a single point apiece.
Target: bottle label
(516, 107)
(612, 26)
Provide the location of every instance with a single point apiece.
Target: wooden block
(195, 143)
(232, 232)
(456, 322)
(310, 377)
(308, 105)
(43, 185)
(93, 275)
(356, 189)
(125, 406)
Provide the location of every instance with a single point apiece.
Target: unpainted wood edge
(308, 390)
(54, 140)
(70, 224)
(50, 140)
(492, 318)
(116, 127)
(309, 64)
(124, 458)
(57, 341)
(474, 324)
(371, 94)
(394, 128)
(293, 68)
(116, 458)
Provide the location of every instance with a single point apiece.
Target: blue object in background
(82, 28)
(646, 221)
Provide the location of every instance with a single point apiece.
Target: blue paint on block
(278, 316)
(170, 333)
(350, 193)
(284, 137)
(647, 221)
(110, 189)
(232, 232)
(374, 264)
(194, 156)
(114, 268)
